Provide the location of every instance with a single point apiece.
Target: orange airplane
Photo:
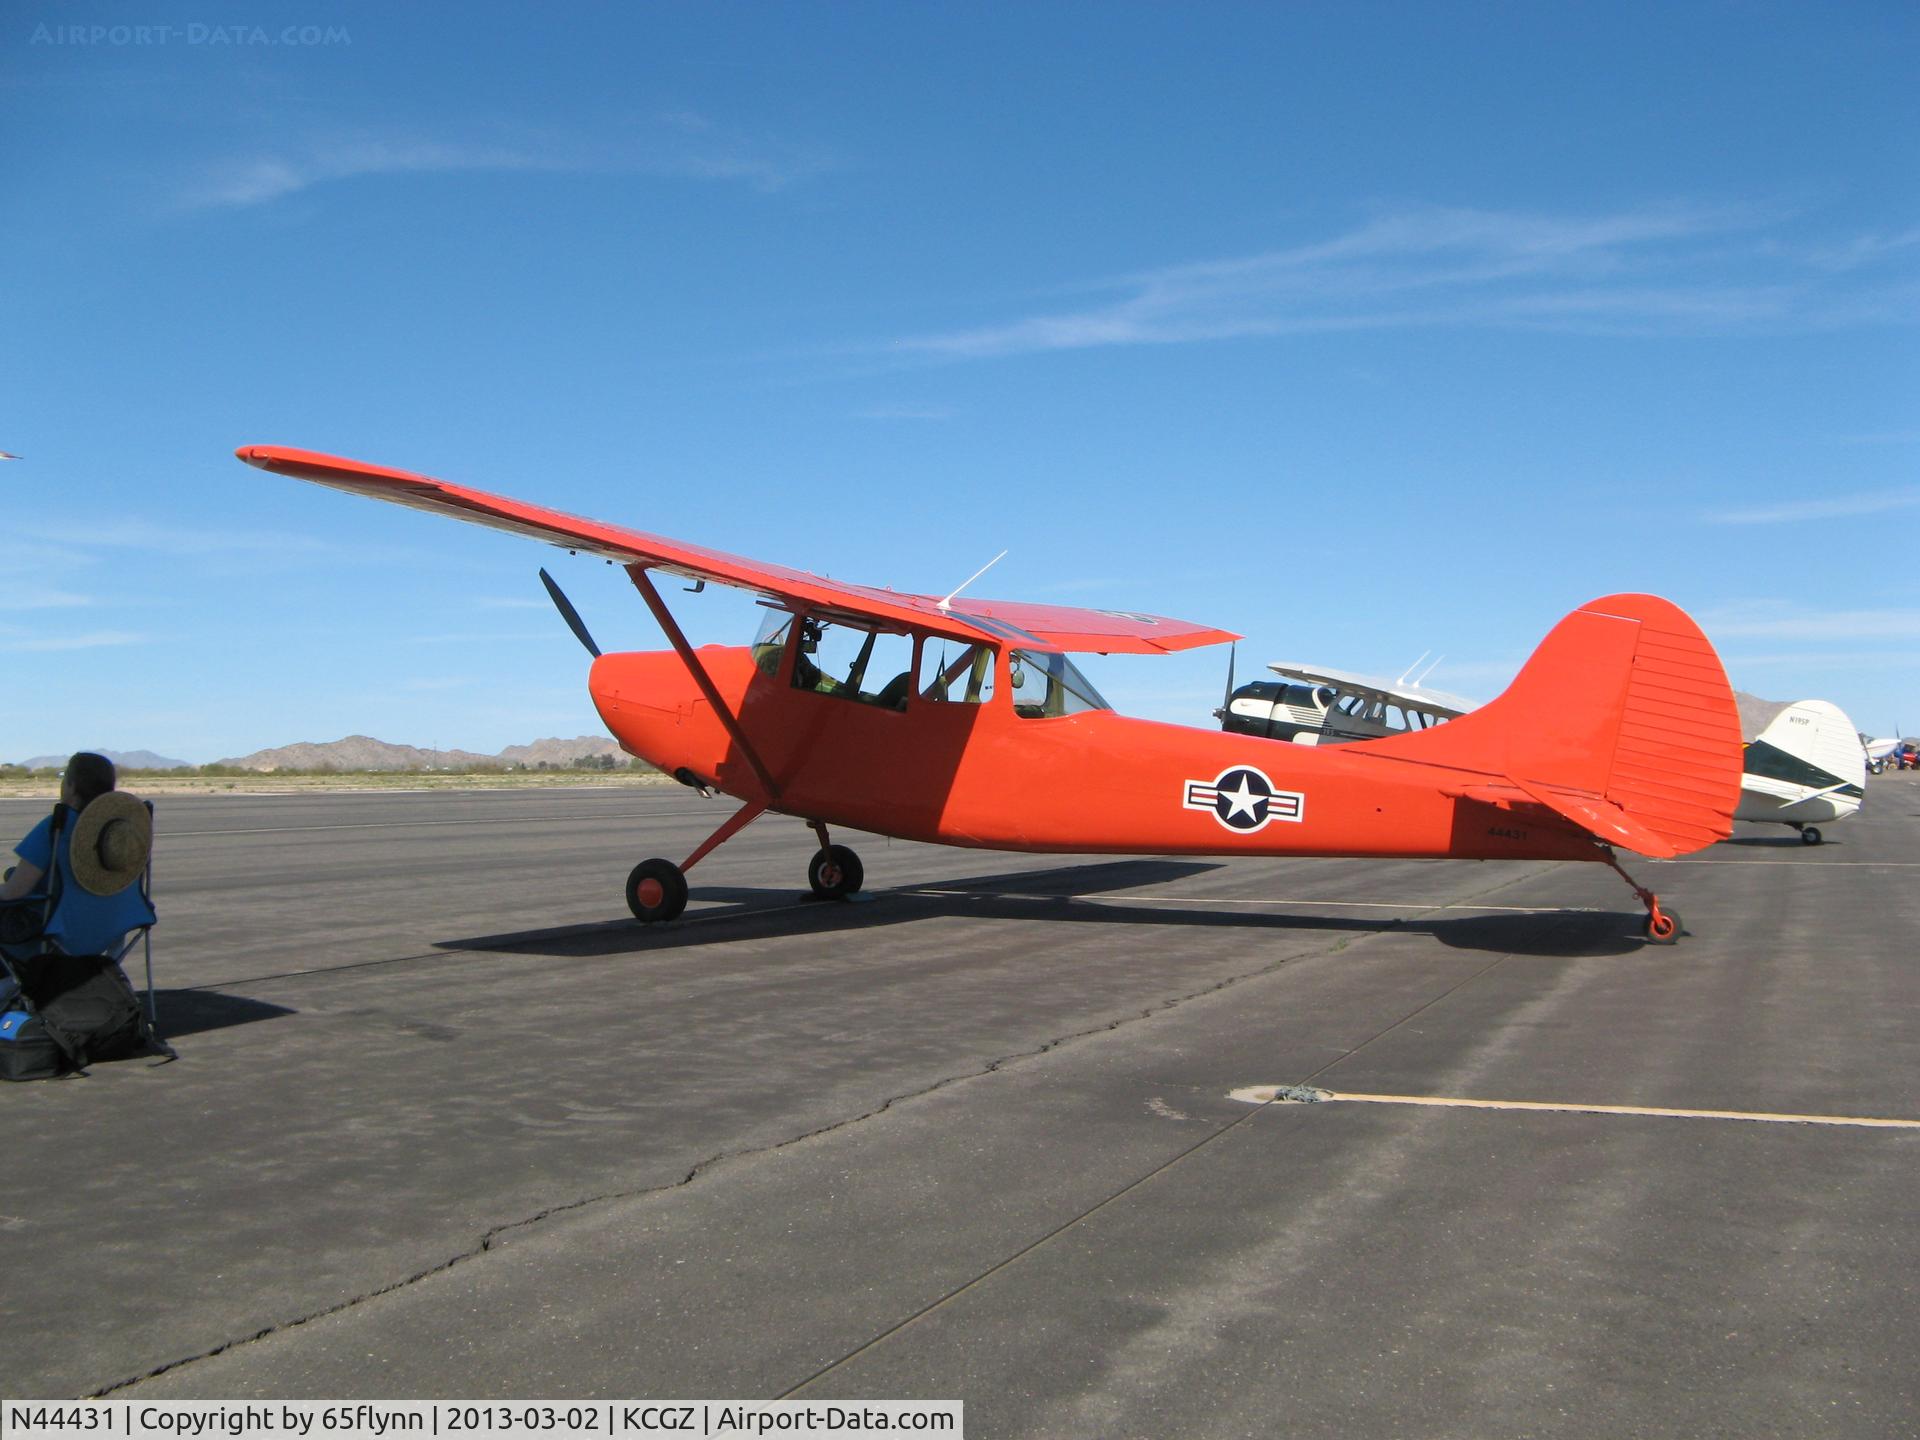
(965, 723)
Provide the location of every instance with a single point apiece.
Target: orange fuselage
(1094, 782)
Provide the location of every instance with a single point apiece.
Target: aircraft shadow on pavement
(1068, 895)
(1789, 841)
(193, 1012)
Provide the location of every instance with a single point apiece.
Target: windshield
(771, 643)
(1045, 686)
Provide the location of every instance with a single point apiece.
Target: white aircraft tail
(1806, 766)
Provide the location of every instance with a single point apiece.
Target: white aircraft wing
(1416, 697)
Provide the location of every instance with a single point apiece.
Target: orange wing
(1029, 627)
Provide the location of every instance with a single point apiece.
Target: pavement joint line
(1265, 1095)
(1161, 1169)
(1420, 1010)
(700, 1169)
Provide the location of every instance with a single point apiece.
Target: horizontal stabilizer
(1604, 819)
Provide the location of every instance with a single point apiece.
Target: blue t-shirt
(83, 923)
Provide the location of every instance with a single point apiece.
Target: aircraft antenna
(1411, 668)
(1430, 669)
(947, 604)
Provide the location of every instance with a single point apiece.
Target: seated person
(99, 898)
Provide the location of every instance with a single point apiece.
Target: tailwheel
(656, 890)
(835, 872)
(1810, 835)
(1663, 927)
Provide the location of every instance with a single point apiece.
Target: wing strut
(638, 574)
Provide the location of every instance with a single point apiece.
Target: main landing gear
(1810, 834)
(1663, 926)
(835, 871)
(657, 889)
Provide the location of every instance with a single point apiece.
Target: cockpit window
(1046, 686)
(872, 666)
(951, 670)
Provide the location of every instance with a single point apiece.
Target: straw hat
(111, 842)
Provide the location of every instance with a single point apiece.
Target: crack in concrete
(489, 1237)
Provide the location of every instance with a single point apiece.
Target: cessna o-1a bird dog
(965, 723)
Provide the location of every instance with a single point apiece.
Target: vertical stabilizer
(1808, 764)
(1622, 721)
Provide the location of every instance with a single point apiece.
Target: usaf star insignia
(1243, 799)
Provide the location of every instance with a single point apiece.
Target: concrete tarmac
(446, 1123)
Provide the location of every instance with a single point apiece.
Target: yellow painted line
(1282, 1094)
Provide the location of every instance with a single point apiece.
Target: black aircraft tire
(835, 872)
(656, 891)
(1810, 835)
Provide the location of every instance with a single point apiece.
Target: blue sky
(1364, 329)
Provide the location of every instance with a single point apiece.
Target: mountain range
(362, 752)
(125, 759)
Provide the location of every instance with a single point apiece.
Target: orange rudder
(1622, 721)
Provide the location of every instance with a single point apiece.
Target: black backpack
(85, 1004)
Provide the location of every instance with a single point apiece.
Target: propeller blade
(1226, 705)
(569, 614)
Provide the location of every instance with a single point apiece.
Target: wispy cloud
(21, 555)
(1883, 437)
(1868, 249)
(905, 412)
(495, 638)
(679, 144)
(180, 541)
(45, 550)
(92, 640)
(1779, 620)
(1833, 507)
(49, 600)
(1670, 270)
(1804, 659)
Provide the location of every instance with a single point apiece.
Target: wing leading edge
(1029, 627)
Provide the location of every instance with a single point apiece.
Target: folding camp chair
(65, 991)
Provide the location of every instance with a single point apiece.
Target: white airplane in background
(1312, 705)
(1879, 752)
(1807, 766)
